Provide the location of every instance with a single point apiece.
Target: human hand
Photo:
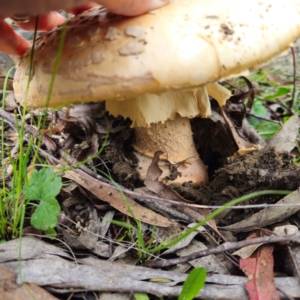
(14, 44)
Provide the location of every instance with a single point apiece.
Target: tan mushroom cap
(186, 44)
(150, 108)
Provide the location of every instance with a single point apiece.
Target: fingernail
(21, 18)
(155, 4)
(138, 7)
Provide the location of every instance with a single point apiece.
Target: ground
(74, 138)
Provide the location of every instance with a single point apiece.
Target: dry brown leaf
(204, 212)
(290, 257)
(269, 215)
(211, 263)
(57, 129)
(9, 289)
(259, 269)
(247, 251)
(154, 185)
(285, 139)
(108, 194)
(243, 145)
(93, 110)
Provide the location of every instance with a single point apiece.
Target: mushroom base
(194, 172)
(175, 139)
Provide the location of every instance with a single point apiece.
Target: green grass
(15, 199)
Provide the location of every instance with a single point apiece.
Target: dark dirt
(260, 170)
(119, 154)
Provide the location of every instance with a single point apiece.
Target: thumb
(11, 42)
(132, 7)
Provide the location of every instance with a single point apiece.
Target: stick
(225, 247)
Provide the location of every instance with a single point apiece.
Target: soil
(123, 162)
(257, 171)
(261, 170)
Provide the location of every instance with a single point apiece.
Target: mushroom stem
(161, 123)
(175, 139)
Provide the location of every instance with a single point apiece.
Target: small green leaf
(259, 109)
(258, 77)
(43, 185)
(193, 284)
(140, 296)
(279, 93)
(51, 233)
(45, 215)
(267, 129)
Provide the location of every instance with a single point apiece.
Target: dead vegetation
(93, 257)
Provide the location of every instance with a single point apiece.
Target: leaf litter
(89, 203)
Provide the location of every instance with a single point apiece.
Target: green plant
(193, 284)
(216, 212)
(3, 190)
(267, 129)
(141, 296)
(146, 250)
(14, 199)
(44, 186)
(272, 87)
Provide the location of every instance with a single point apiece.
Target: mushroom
(158, 68)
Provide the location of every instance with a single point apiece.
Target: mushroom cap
(185, 44)
(152, 108)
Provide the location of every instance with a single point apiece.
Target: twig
(225, 247)
(284, 293)
(145, 199)
(278, 101)
(10, 119)
(263, 119)
(232, 85)
(294, 261)
(294, 79)
(35, 133)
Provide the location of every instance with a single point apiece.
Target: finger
(45, 21)
(11, 42)
(52, 19)
(34, 7)
(80, 9)
(125, 7)
(132, 7)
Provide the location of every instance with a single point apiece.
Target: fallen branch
(224, 247)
